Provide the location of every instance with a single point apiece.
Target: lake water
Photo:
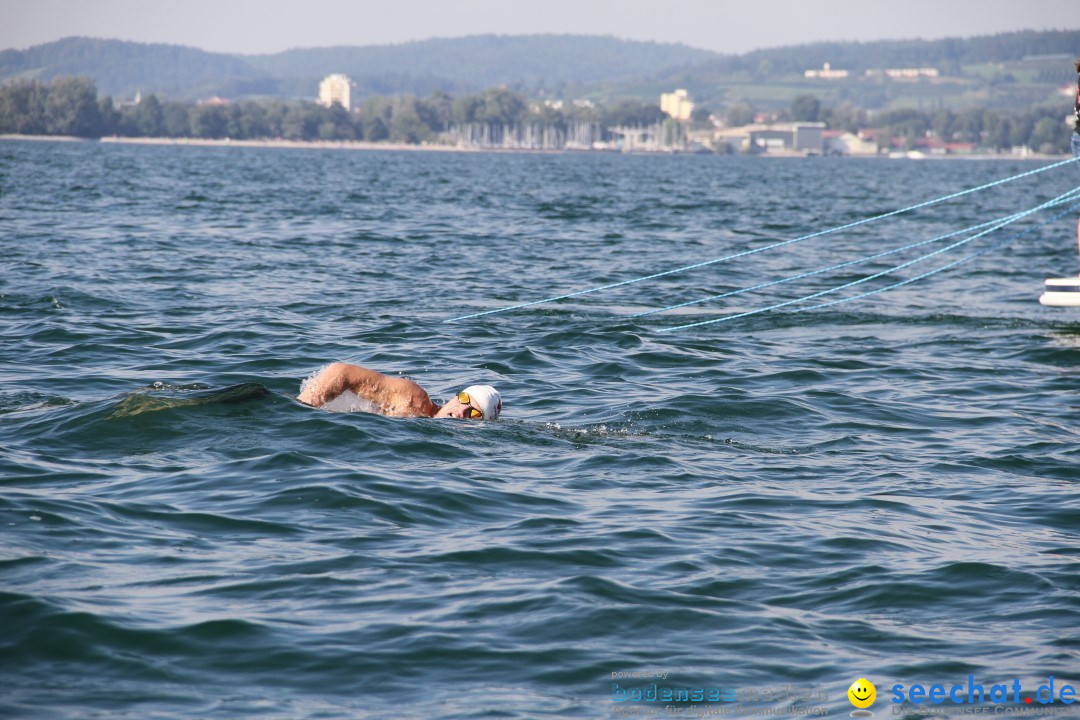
(884, 489)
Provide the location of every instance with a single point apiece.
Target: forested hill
(455, 65)
(948, 54)
(482, 61)
(537, 65)
(1007, 71)
(122, 68)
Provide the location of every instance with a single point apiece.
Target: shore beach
(433, 147)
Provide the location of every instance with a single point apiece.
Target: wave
(163, 397)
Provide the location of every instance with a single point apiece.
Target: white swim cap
(486, 399)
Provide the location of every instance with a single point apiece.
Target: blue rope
(964, 259)
(726, 258)
(819, 270)
(1056, 201)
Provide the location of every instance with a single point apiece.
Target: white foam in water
(311, 378)
(349, 401)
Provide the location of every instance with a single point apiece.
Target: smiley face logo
(862, 693)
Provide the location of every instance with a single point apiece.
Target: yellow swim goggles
(464, 399)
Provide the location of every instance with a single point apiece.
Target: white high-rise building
(677, 104)
(826, 73)
(336, 88)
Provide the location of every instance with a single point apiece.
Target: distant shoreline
(274, 143)
(425, 147)
(266, 143)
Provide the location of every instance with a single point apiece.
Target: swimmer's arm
(393, 396)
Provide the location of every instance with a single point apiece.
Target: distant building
(905, 73)
(845, 143)
(560, 104)
(826, 73)
(698, 140)
(797, 136)
(120, 102)
(336, 88)
(781, 138)
(677, 104)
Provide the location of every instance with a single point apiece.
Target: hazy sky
(247, 26)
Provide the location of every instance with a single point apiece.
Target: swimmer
(394, 396)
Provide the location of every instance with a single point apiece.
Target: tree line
(71, 106)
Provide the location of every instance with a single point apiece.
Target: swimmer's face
(455, 409)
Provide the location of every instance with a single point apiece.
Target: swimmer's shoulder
(408, 399)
